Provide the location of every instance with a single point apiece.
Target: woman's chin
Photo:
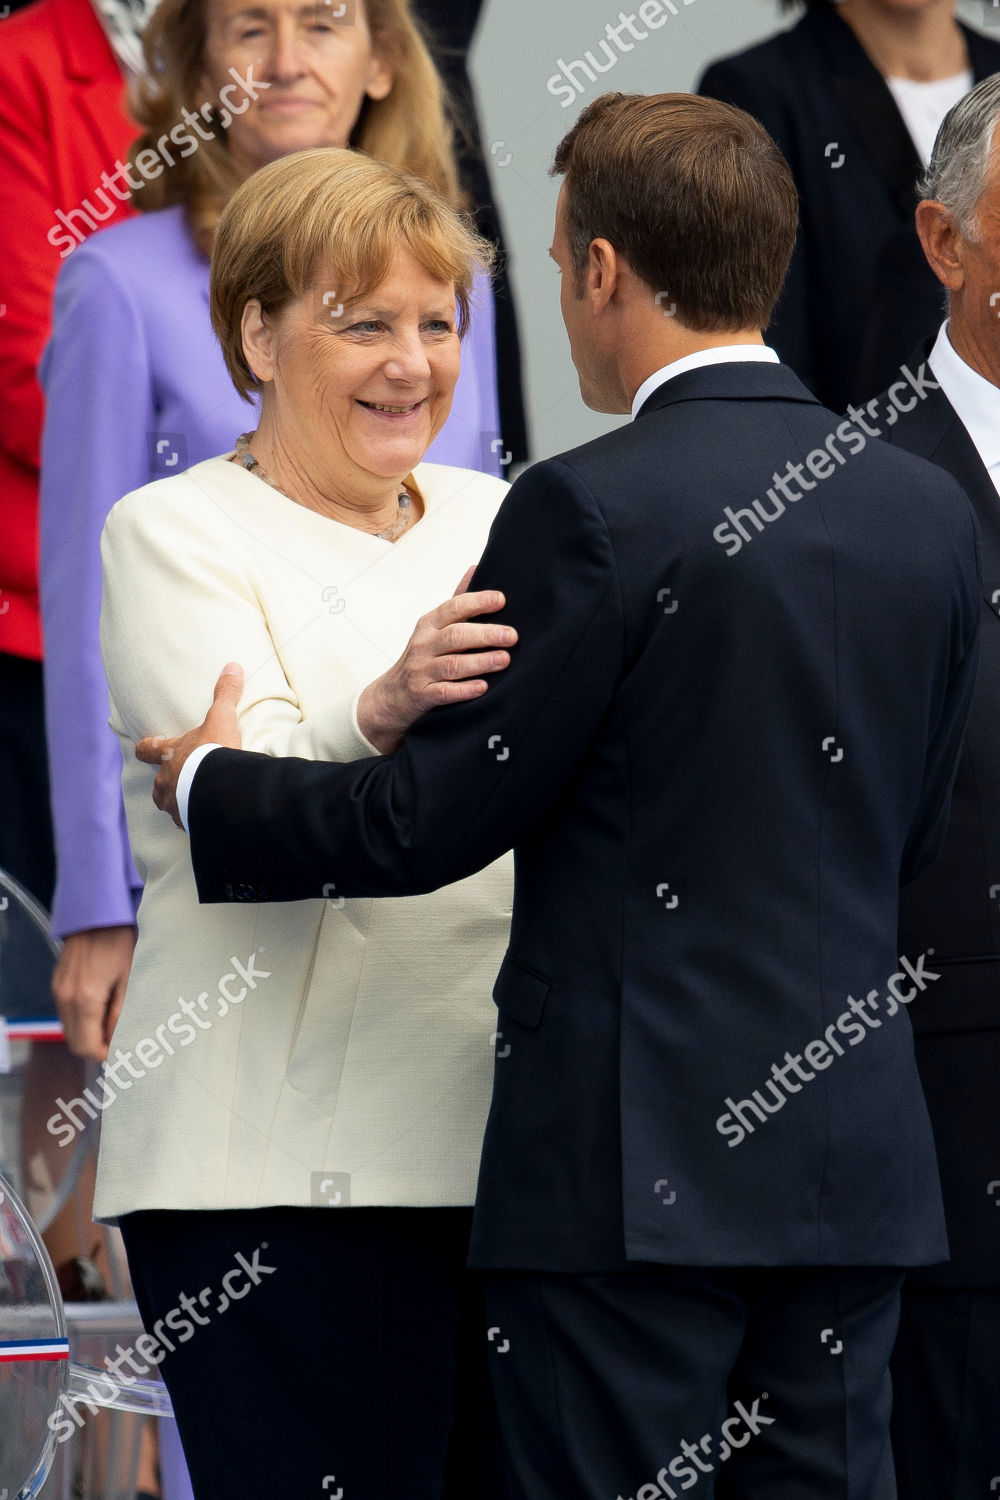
(392, 457)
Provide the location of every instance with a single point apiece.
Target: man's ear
(602, 274)
(258, 340)
(942, 242)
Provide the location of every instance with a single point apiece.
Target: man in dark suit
(832, 92)
(946, 1369)
(747, 641)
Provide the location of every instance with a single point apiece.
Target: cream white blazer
(288, 1052)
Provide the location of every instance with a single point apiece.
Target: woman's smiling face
(369, 383)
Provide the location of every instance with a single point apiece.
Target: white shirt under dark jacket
(724, 354)
(975, 399)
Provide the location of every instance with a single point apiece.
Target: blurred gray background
(518, 48)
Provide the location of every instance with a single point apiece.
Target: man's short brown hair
(694, 194)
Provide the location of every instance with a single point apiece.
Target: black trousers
(26, 848)
(323, 1351)
(762, 1384)
(946, 1381)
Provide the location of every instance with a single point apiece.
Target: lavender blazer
(135, 389)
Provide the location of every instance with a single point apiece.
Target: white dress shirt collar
(976, 399)
(724, 355)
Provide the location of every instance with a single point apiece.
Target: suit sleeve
(472, 780)
(944, 751)
(99, 411)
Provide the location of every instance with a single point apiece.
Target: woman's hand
(443, 663)
(89, 986)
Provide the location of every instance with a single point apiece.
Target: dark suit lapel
(867, 105)
(942, 438)
(958, 453)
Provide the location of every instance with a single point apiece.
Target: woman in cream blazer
(276, 1062)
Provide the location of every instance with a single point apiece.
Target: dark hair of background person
(693, 193)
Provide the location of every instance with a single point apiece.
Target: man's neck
(919, 45)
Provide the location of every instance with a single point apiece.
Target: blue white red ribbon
(34, 1349)
(38, 1029)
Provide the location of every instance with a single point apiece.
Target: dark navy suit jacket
(954, 906)
(859, 293)
(714, 766)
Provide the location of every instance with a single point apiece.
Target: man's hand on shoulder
(220, 727)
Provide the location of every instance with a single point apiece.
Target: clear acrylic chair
(51, 1353)
(44, 1393)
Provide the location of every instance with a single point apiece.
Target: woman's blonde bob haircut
(329, 222)
(411, 128)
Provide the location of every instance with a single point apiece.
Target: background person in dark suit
(452, 26)
(946, 1369)
(729, 728)
(853, 95)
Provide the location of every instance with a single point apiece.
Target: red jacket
(62, 123)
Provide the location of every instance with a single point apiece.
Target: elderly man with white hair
(946, 1368)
